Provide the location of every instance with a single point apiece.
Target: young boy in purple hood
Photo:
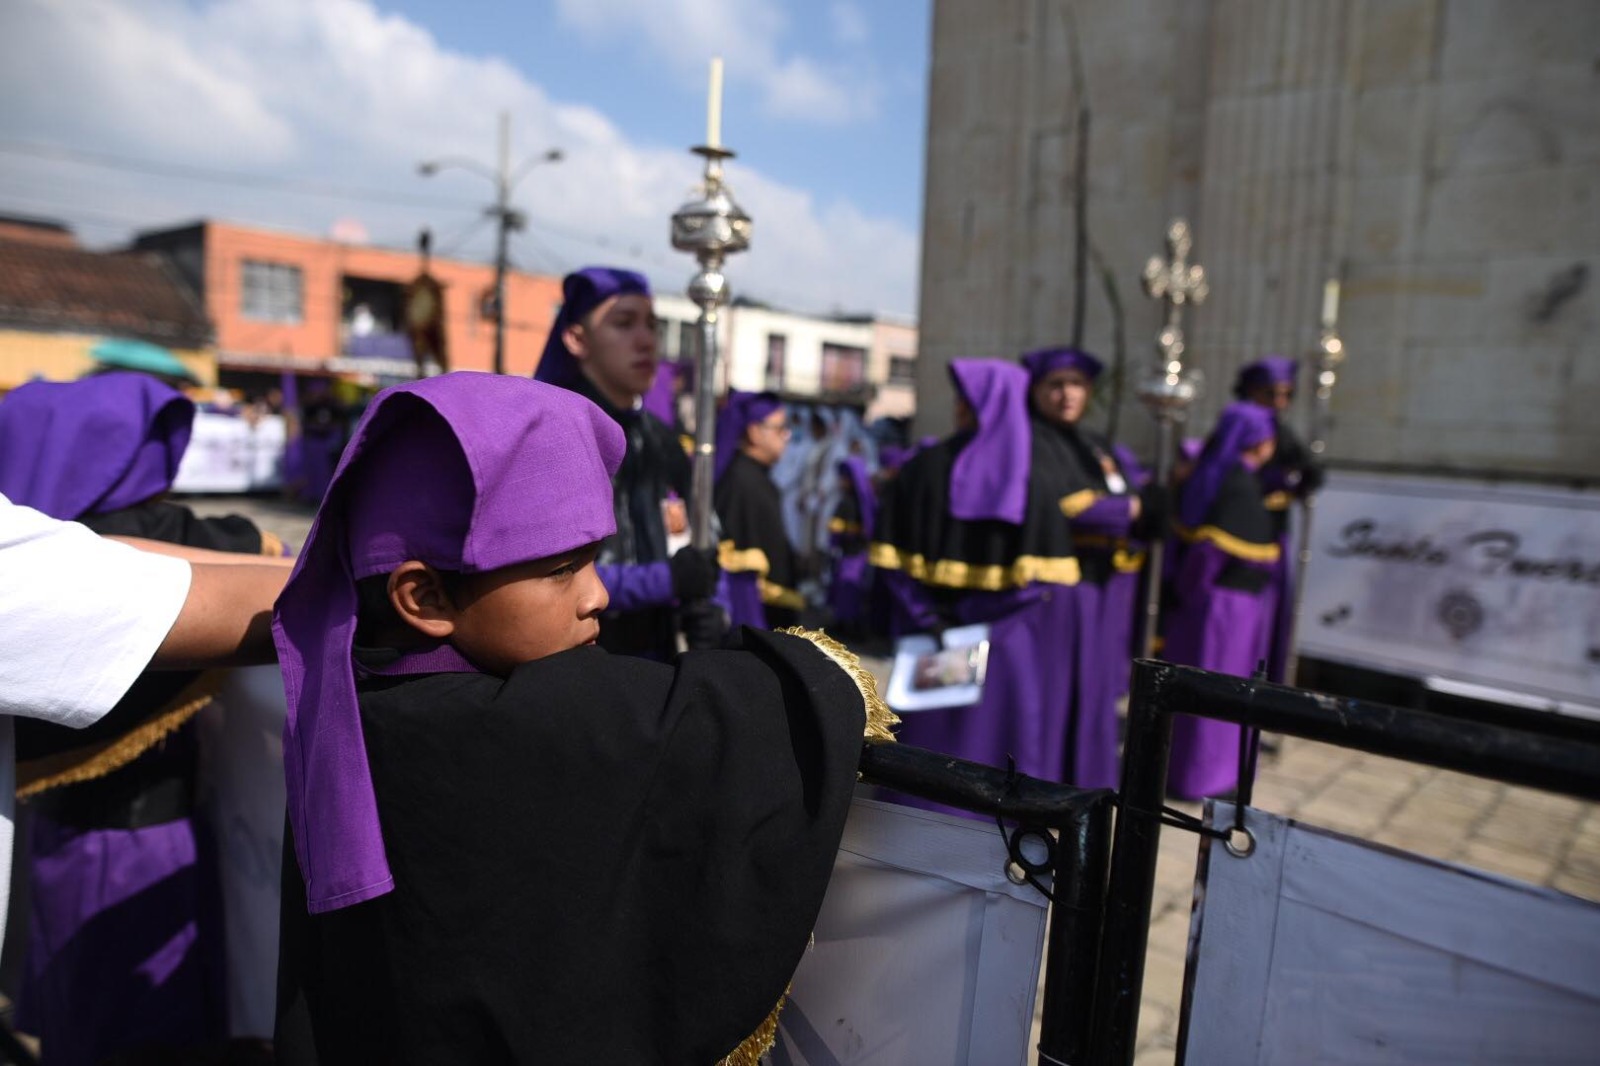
(509, 844)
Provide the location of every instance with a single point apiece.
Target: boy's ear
(418, 596)
(576, 340)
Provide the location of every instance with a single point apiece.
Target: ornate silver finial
(1177, 283)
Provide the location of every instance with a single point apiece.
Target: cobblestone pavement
(1518, 832)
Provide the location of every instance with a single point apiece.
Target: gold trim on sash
(992, 577)
(742, 560)
(1123, 558)
(1079, 502)
(101, 758)
(1237, 547)
(775, 595)
(1277, 501)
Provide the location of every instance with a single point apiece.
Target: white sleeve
(80, 616)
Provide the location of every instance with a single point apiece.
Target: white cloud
(849, 23)
(749, 35)
(335, 91)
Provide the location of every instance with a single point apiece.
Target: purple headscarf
(989, 479)
(92, 446)
(465, 471)
(1241, 425)
(1268, 370)
(1048, 360)
(581, 292)
(855, 468)
(742, 410)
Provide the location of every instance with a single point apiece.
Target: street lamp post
(507, 218)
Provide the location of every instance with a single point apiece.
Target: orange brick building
(281, 301)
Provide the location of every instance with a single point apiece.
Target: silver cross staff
(712, 227)
(1170, 388)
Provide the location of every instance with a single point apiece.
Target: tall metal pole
(712, 226)
(1330, 354)
(502, 209)
(1170, 388)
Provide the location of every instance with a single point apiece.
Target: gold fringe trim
(1123, 558)
(880, 719)
(775, 595)
(1234, 546)
(742, 560)
(758, 1043)
(271, 545)
(1079, 502)
(97, 760)
(994, 577)
(1278, 501)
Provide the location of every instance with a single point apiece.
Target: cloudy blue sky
(123, 115)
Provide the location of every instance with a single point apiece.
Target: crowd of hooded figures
(557, 790)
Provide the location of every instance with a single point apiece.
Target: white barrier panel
(1496, 586)
(242, 796)
(1320, 948)
(924, 952)
(228, 454)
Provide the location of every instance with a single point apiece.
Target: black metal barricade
(1533, 748)
(1073, 825)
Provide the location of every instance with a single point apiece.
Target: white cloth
(80, 619)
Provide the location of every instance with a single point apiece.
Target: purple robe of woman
(972, 531)
(124, 942)
(1225, 592)
(756, 556)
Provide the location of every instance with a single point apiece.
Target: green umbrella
(123, 354)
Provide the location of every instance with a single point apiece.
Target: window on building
(777, 357)
(844, 369)
(902, 370)
(271, 292)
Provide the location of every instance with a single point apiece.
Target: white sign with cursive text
(1487, 585)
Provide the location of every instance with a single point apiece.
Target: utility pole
(507, 218)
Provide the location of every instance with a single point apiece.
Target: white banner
(925, 953)
(241, 791)
(228, 454)
(1320, 948)
(1496, 586)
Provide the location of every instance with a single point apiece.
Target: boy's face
(616, 346)
(501, 618)
(1061, 396)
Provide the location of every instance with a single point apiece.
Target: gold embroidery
(1234, 546)
(1079, 502)
(993, 577)
(101, 758)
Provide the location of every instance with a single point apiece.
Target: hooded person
(1291, 474)
(1107, 497)
(124, 944)
(1225, 589)
(850, 532)
(972, 531)
(603, 346)
(508, 844)
(755, 552)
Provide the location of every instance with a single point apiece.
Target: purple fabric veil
(91, 446)
(659, 400)
(1241, 425)
(742, 410)
(581, 292)
(465, 471)
(989, 478)
(1268, 370)
(855, 468)
(1048, 360)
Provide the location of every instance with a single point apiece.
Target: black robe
(750, 510)
(653, 468)
(600, 859)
